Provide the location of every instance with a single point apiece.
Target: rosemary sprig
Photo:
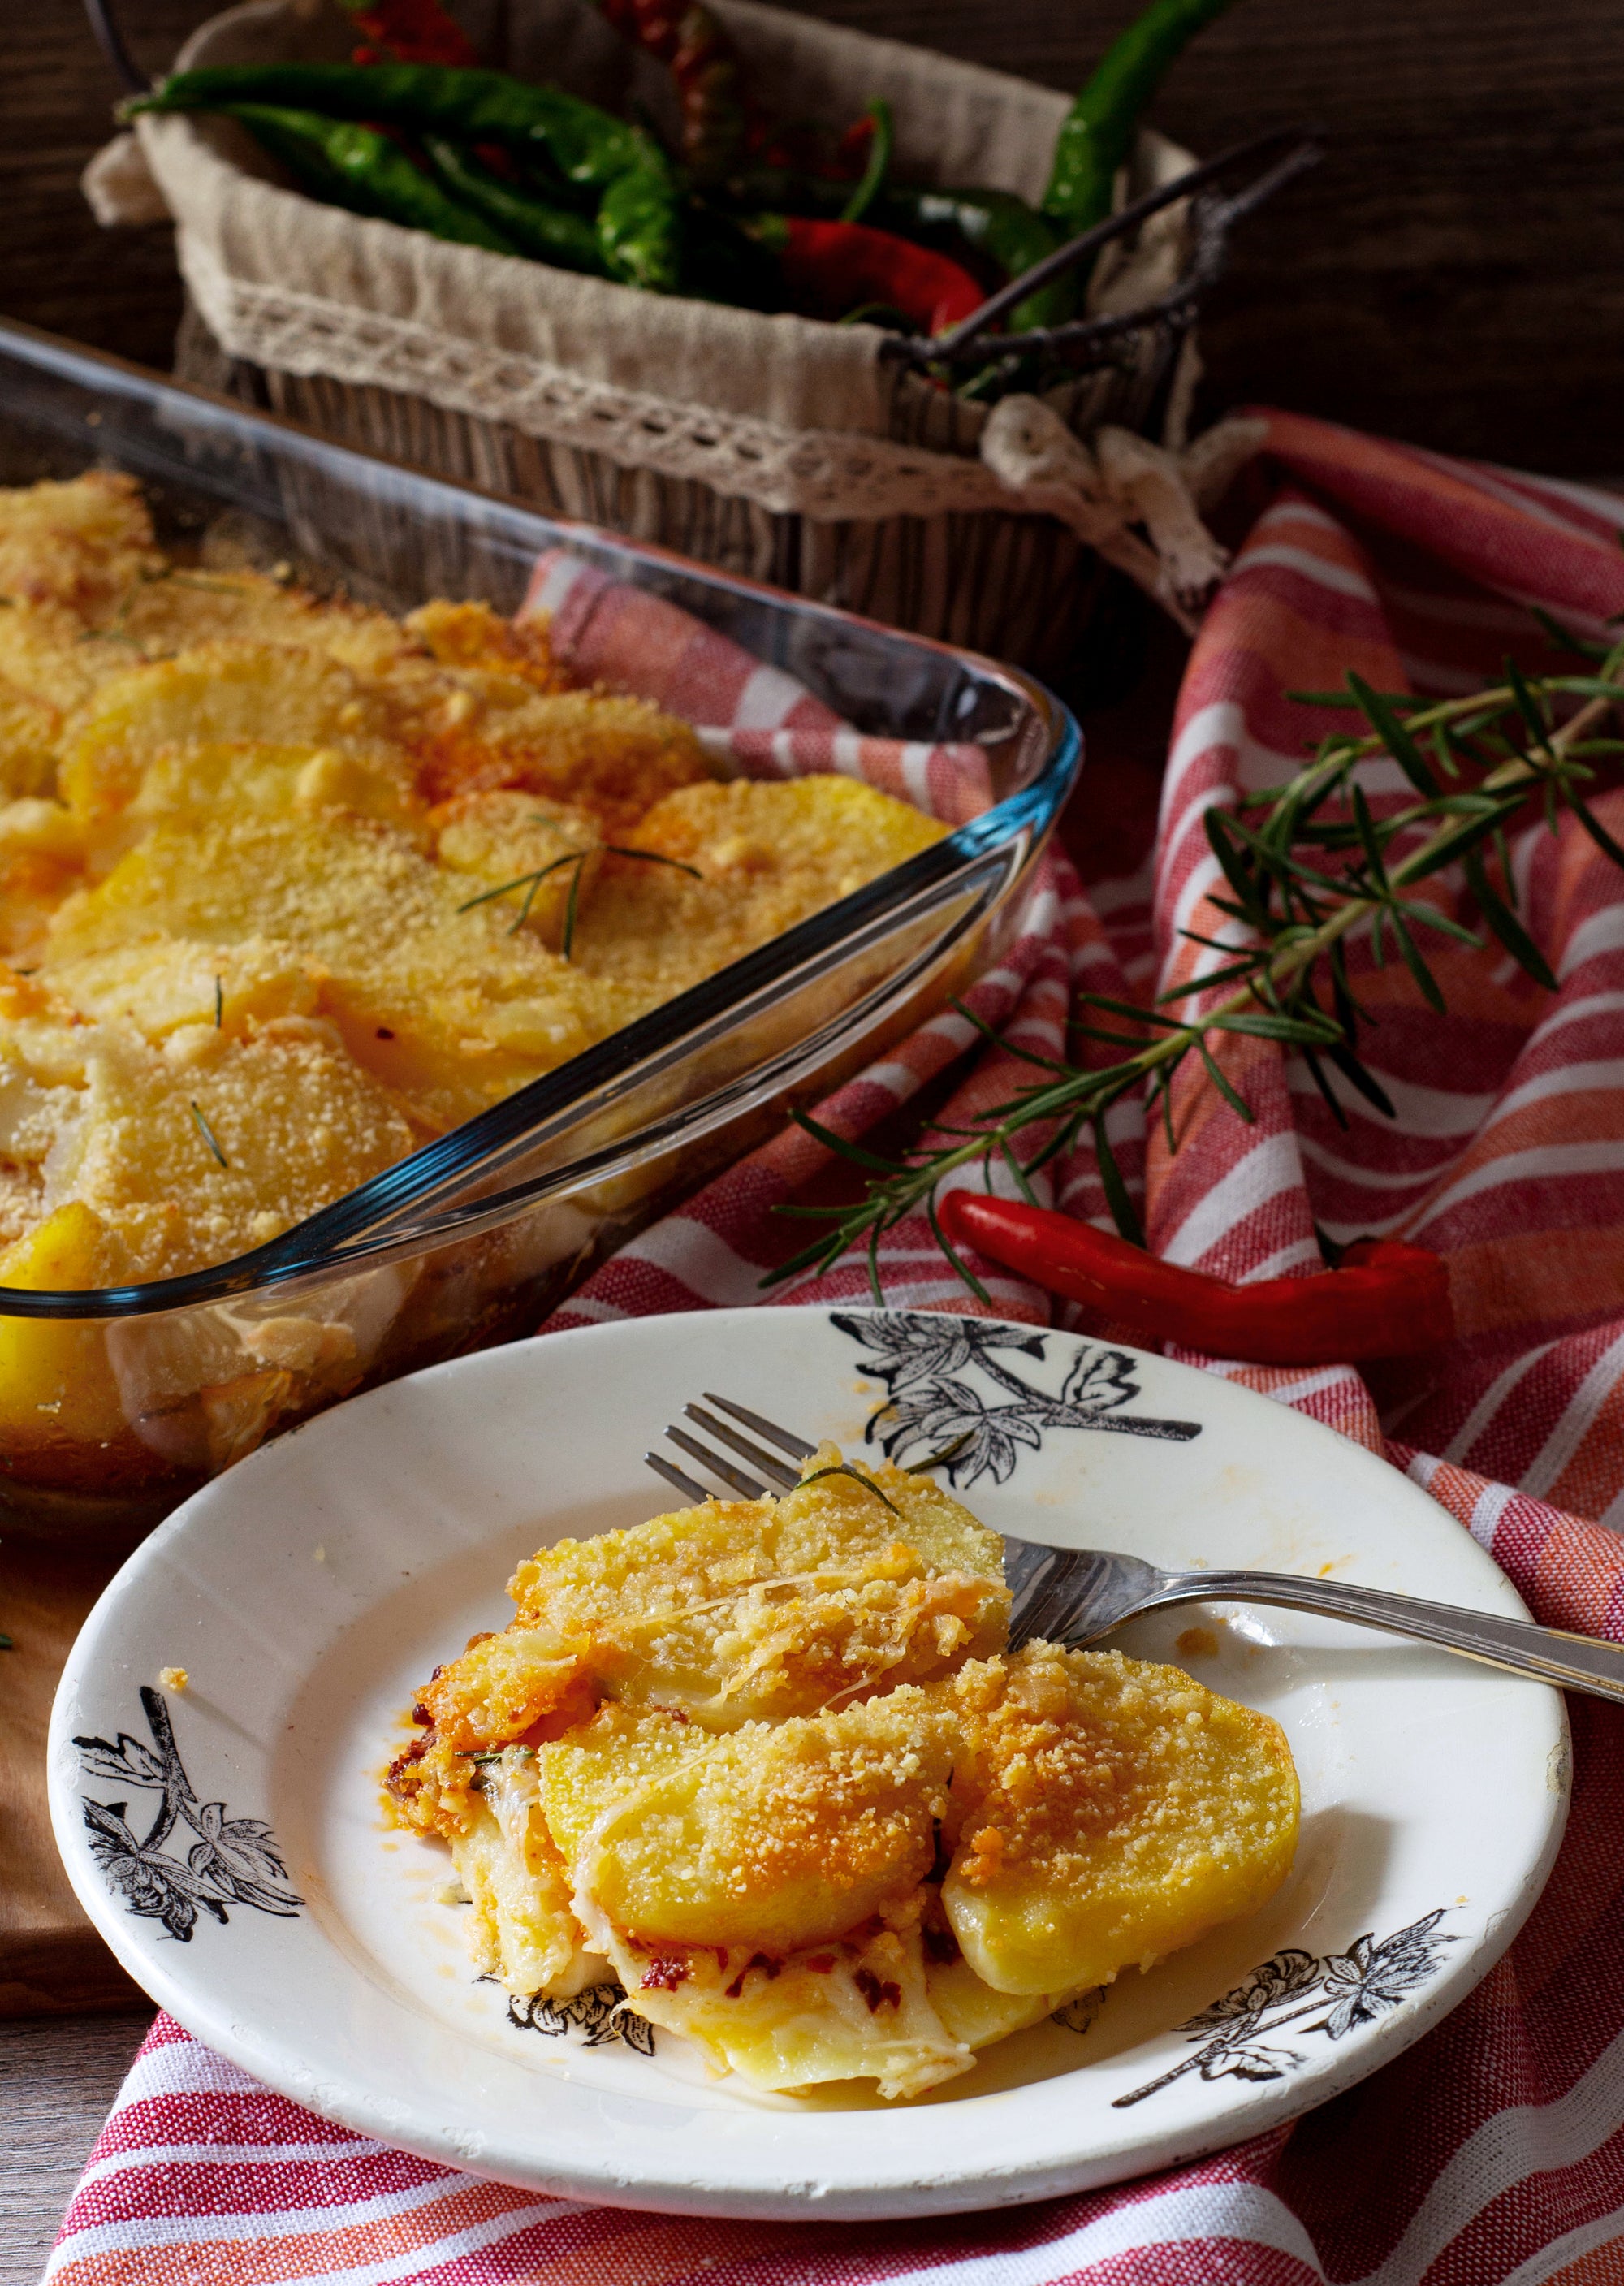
(530, 882)
(1309, 864)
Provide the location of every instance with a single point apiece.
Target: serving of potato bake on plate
(733, 1861)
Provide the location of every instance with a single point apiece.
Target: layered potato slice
(778, 1835)
(743, 861)
(609, 755)
(536, 859)
(739, 1611)
(522, 1930)
(1111, 1811)
(759, 1891)
(79, 547)
(778, 1780)
(244, 724)
(436, 999)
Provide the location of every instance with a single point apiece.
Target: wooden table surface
(60, 2076)
(1450, 275)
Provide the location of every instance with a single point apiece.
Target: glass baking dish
(154, 1388)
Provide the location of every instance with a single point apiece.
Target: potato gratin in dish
(291, 888)
(770, 1766)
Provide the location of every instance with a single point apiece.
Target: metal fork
(1073, 1596)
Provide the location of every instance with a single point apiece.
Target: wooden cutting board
(52, 1960)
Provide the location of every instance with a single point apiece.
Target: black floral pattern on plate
(599, 2014)
(1340, 1991)
(233, 1861)
(931, 1366)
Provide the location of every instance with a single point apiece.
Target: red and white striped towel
(1492, 2153)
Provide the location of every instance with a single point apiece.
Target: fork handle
(1552, 1655)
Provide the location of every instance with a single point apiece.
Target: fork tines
(773, 1470)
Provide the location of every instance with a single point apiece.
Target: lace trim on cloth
(1030, 463)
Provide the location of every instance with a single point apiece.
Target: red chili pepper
(704, 65)
(408, 31)
(1387, 1299)
(831, 268)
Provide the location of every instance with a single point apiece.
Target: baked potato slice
(1111, 1811)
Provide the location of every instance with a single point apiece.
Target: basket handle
(110, 40)
(1298, 148)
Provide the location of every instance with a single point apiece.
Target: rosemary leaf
(1356, 1076)
(1426, 983)
(952, 1254)
(1381, 714)
(1241, 1109)
(939, 1459)
(200, 1119)
(1564, 638)
(1215, 822)
(841, 1143)
(1123, 1212)
(1017, 1170)
(845, 1469)
(1316, 1072)
(1506, 925)
(1429, 917)
(653, 857)
(1370, 840)
(571, 907)
(1596, 831)
(999, 1040)
(1527, 706)
(520, 881)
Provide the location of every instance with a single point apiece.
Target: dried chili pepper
(407, 32)
(704, 69)
(832, 268)
(1385, 1298)
(639, 209)
(356, 166)
(545, 232)
(1097, 134)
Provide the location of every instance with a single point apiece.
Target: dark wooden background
(1454, 274)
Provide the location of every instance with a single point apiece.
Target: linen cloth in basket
(781, 447)
(1494, 2150)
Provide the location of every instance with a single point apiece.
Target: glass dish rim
(1011, 827)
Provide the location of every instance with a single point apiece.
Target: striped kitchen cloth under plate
(1492, 2153)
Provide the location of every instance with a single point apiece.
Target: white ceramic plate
(307, 1591)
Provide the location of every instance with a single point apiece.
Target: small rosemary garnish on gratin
(530, 882)
(201, 1119)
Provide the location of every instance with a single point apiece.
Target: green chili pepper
(549, 234)
(1098, 132)
(356, 167)
(640, 239)
(878, 164)
(996, 224)
(639, 225)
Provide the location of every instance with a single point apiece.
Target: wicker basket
(825, 460)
